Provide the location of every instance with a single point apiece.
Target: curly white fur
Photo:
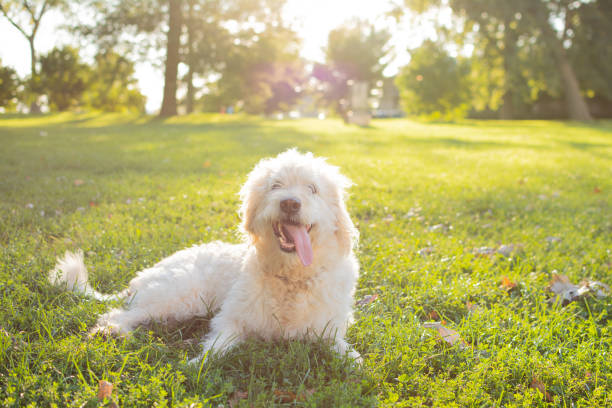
(254, 288)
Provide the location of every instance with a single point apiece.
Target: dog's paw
(355, 356)
(198, 361)
(106, 331)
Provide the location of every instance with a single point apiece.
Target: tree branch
(13, 22)
(37, 19)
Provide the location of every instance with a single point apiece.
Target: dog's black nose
(290, 205)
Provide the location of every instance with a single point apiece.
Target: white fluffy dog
(292, 277)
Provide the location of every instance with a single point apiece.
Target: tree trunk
(34, 106)
(576, 106)
(190, 91)
(509, 55)
(190, 61)
(506, 112)
(168, 107)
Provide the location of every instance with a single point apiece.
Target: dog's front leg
(343, 348)
(223, 336)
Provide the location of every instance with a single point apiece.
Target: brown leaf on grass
(366, 300)
(105, 390)
(425, 251)
(286, 397)
(78, 182)
(538, 385)
(234, 400)
(484, 251)
(505, 250)
(448, 335)
(206, 164)
(597, 190)
(506, 284)
(567, 292)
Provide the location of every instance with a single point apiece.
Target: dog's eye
(276, 185)
(313, 189)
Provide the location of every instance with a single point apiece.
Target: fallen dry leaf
(366, 300)
(234, 400)
(567, 292)
(433, 315)
(206, 164)
(484, 251)
(105, 390)
(284, 396)
(538, 385)
(506, 284)
(438, 228)
(597, 190)
(507, 250)
(426, 251)
(448, 335)
(287, 397)
(78, 182)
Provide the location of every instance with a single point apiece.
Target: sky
(313, 20)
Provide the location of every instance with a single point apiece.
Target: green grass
(150, 188)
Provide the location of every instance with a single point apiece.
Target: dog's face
(295, 202)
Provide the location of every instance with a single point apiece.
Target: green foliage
(146, 193)
(591, 50)
(63, 77)
(262, 72)
(435, 84)
(520, 50)
(112, 86)
(355, 51)
(9, 84)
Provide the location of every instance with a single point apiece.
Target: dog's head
(295, 203)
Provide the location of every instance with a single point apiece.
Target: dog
(292, 277)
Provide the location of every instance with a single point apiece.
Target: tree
(515, 23)
(262, 72)
(168, 107)
(112, 86)
(434, 83)
(589, 29)
(355, 52)
(25, 16)
(63, 77)
(210, 45)
(9, 84)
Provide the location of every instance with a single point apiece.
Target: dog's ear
(346, 233)
(251, 195)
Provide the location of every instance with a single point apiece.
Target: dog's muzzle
(293, 237)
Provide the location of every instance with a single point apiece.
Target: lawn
(450, 217)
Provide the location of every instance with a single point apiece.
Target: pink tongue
(300, 238)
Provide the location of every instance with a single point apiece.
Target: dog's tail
(70, 272)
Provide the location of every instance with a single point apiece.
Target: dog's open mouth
(293, 237)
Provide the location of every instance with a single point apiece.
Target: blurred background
(438, 59)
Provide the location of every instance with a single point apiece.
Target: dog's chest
(294, 303)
